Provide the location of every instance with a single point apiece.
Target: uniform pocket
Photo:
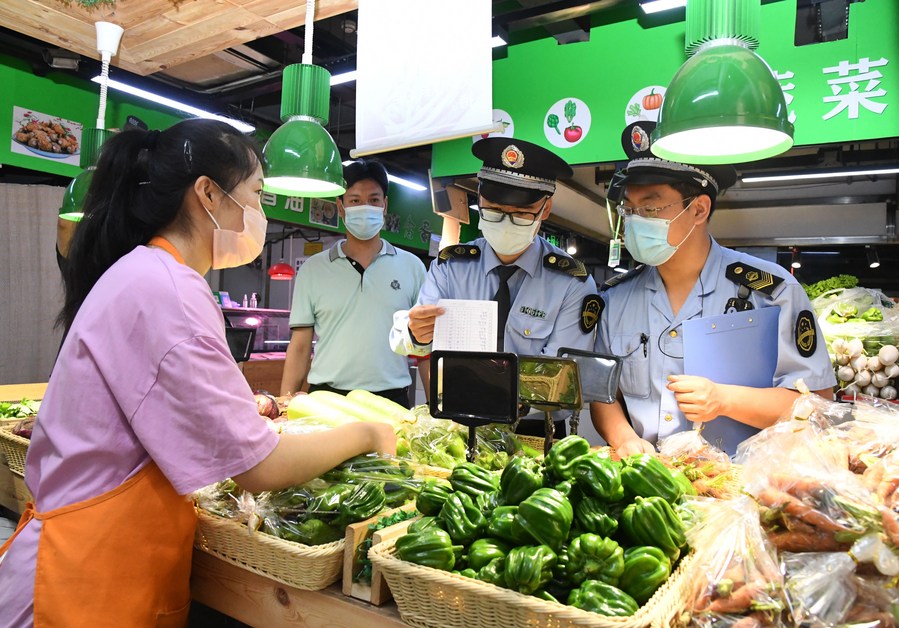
(635, 364)
(529, 331)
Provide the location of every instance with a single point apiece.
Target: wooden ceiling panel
(160, 34)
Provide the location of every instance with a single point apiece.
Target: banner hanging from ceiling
(424, 73)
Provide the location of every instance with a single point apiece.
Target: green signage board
(577, 99)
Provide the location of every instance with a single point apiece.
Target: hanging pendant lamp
(108, 37)
(301, 157)
(281, 271)
(724, 105)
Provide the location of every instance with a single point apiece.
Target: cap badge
(512, 157)
(639, 139)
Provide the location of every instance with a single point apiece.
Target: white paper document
(465, 326)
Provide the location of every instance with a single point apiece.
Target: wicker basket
(14, 448)
(430, 598)
(301, 566)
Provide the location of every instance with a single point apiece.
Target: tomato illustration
(573, 133)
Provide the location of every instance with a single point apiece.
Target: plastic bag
(873, 434)
(707, 468)
(736, 578)
(808, 499)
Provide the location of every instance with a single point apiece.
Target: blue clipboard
(738, 348)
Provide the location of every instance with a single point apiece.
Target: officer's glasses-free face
(521, 219)
(648, 212)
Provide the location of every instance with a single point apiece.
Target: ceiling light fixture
(655, 6)
(301, 157)
(724, 105)
(243, 127)
(873, 257)
(61, 59)
(571, 249)
(282, 271)
(72, 208)
(833, 174)
(797, 259)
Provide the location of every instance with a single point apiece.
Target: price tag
(614, 252)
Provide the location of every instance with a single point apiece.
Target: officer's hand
(421, 322)
(697, 397)
(635, 445)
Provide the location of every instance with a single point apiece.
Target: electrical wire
(674, 327)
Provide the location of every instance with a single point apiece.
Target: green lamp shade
(723, 106)
(301, 159)
(76, 192)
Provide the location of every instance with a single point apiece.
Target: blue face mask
(646, 239)
(364, 221)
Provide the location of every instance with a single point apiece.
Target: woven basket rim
(291, 547)
(6, 434)
(665, 598)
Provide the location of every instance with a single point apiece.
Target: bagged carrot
(707, 468)
(735, 575)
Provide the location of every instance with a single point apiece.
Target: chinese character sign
(855, 86)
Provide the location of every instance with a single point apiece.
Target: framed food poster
(45, 136)
(323, 212)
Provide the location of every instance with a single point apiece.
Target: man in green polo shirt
(347, 295)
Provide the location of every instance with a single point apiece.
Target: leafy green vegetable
(634, 110)
(552, 121)
(364, 573)
(21, 410)
(832, 283)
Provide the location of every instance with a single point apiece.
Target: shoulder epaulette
(620, 279)
(565, 264)
(459, 251)
(753, 278)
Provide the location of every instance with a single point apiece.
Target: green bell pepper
(594, 515)
(560, 459)
(546, 516)
(521, 477)
(468, 573)
(592, 557)
(461, 518)
(365, 501)
(484, 550)
(644, 475)
(432, 548)
(469, 478)
(652, 521)
(501, 525)
(488, 502)
(602, 598)
(432, 497)
(529, 568)
(598, 475)
(645, 570)
(309, 532)
(329, 499)
(494, 572)
(420, 525)
(872, 315)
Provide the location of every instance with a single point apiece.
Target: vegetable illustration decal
(633, 110)
(652, 100)
(552, 121)
(573, 132)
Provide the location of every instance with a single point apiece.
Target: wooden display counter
(259, 601)
(17, 392)
(264, 374)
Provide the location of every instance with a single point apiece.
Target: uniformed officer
(552, 297)
(685, 274)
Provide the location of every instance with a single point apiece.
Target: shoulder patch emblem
(619, 279)
(459, 251)
(591, 310)
(751, 277)
(806, 334)
(565, 264)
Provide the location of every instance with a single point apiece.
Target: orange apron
(119, 559)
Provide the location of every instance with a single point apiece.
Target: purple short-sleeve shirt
(144, 374)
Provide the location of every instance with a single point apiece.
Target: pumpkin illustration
(652, 100)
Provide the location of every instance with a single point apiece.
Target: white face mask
(231, 249)
(364, 221)
(508, 239)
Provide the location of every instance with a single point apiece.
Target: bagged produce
(735, 575)
(707, 468)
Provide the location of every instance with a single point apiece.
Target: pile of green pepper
(577, 527)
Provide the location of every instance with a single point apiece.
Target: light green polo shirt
(352, 312)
